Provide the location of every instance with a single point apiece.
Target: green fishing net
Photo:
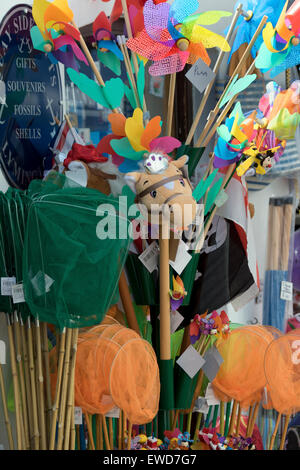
(70, 269)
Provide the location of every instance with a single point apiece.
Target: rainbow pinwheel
(130, 140)
(108, 51)
(173, 35)
(234, 138)
(54, 34)
(246, 27)
(281, 47)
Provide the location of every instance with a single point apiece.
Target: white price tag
(210, 397)
(176, 320)
(286, 291)
(182, 258)
(150, 256)
(18, 294)
(77, 415)
(6, 285)
(190, 361)
(2, 353)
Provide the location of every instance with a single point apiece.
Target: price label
(77, 415)
(149, 257)
(286, 291)
(18, 294)
(6, 285)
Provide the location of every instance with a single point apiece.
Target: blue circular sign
(33, 104)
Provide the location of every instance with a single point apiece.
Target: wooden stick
(111, 432)
(36, 435)
(197, 428)
(90, 431)
(249, 419)
(130, 35)
(70, 391)
(237, 432)
(5, 411)
(64, 390)
(23, 403)
(236, 72)
(129, 436)
(101, 434)
(105, 432)
(233, 416)
(253, 420)
(27, 380)
(172, 88)
(120, 431)
(40, 377)
(89, 57)
(175, 420)
(127, 62)
(275, 432)
(215, 70)
(124, 430)
(45, 351)
(286, 424)
(165, 322)
(73, 426)
(62, 344)
(222, 421)
(286, 237)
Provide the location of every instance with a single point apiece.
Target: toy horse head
(164, 184)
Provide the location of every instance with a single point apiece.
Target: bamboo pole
(36, 435)
(40, 377)
(237, 432)
(129, 436)
(171, 98)
(23, 403)
(64, 390)
(124, 50)
(129, 33)
(70, 391)
(127, 303)
(233, 416)
(283, 437)
(111, 433)
(253, 420)
(120, 431)
(62, 344)
(222, 420)
(197, 427)
(105, 432)
(275, 432)
(175, 420)
(5, 411)
(101, 434)
(45, 352)
(215, 70)
(249, 419)
(165, 322)
(27, 380)
(90, 431)
(124, 430)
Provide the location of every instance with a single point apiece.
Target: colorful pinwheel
(130, 140)
(54, 34)
(234, 137)
(108, 51)
(281, 47)
(246, 27)
(173, 35)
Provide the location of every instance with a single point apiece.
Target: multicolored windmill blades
(292, 17)
(46, 14)
(61, 52)
(246, 28)
(192, 29)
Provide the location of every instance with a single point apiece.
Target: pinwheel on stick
(252, 14)
(281, 47)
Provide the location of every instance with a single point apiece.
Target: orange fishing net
(282, 370)
(115, 367)
(241, 376)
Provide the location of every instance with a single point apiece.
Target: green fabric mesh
(70, 276)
